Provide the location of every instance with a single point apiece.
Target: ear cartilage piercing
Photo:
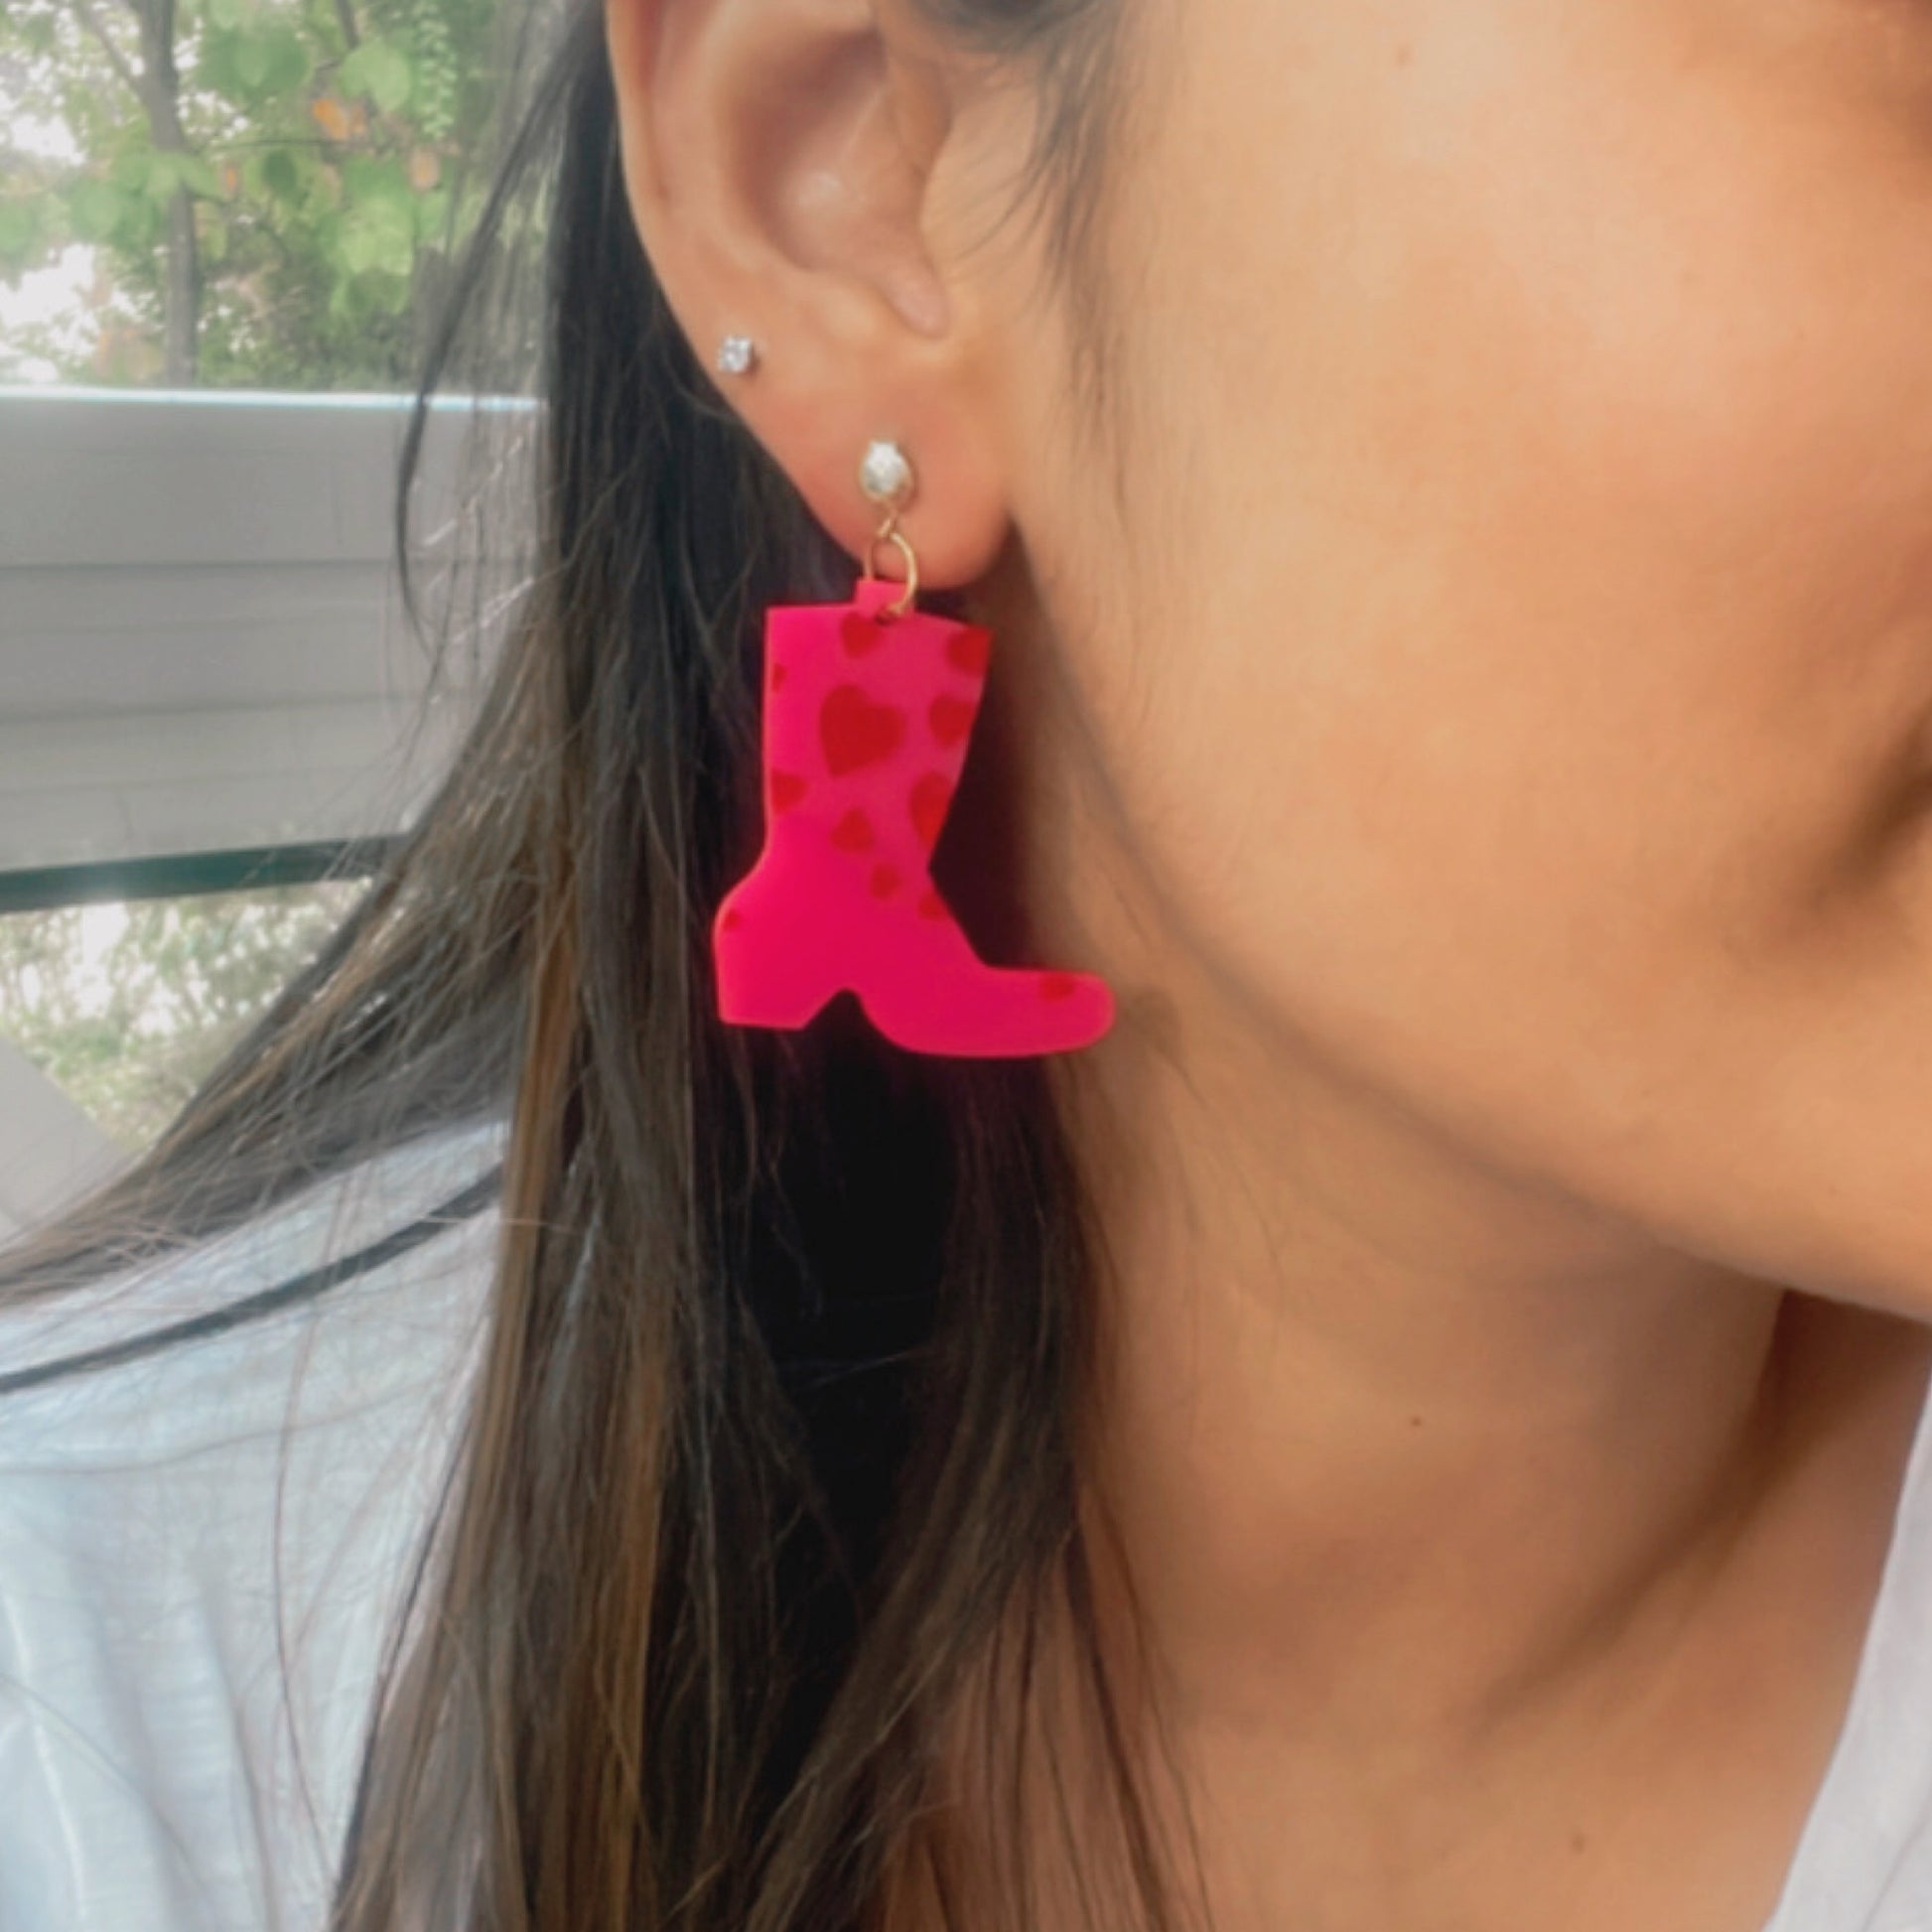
(737, 355)
(886, 478)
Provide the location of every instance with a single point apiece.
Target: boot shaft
(866, 726)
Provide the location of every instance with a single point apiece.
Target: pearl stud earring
(737, 355)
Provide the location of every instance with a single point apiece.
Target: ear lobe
(775, 156)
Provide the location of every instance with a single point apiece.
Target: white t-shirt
(1864, 1862)
(202, 1550)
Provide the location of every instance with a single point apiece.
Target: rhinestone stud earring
(737, 356)
(885, 474)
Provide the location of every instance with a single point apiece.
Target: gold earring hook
(889, 532)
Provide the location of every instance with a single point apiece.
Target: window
(235, 194)
(117, 1009)
(225, 229)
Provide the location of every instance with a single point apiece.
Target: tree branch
(346, 17)
(118, 60)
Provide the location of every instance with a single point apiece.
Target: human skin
(1471, 690)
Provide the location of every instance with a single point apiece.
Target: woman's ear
(776, 157)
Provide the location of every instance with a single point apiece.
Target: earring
(886, 478)
(737, 356)
(867, 710)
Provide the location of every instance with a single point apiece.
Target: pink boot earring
(867, 710)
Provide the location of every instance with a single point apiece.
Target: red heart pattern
(951, 718)
(854, 732)
(969, 651)
(853, 833)
(932, 796)
(860, 634)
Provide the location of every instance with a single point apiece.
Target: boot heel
(759, 985)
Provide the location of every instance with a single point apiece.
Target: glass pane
(274, 205)
(126, 1007)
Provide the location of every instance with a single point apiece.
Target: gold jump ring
(889, 532)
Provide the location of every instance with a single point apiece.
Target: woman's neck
(1419, 1474)
(1388, 1437)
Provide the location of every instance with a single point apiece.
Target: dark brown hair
(774, 1438)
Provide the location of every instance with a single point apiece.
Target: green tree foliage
(128, 1008)
(274, 188)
